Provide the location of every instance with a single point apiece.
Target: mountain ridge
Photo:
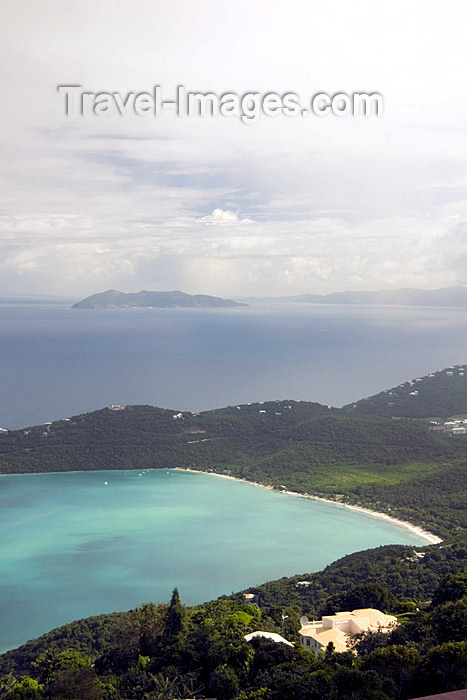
(455, 296)
(439, 394)
(447, 296)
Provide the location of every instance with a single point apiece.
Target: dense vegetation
(407, 572)
(399, 466)
(439, 395)
(170, 651)
(395, 568)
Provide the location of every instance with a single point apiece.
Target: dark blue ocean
(56, 361)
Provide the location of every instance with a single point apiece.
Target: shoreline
(425, 534)
(415, 529)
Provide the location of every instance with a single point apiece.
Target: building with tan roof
(341, 627)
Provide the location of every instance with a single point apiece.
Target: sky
(279, 205)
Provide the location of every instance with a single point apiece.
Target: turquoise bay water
(73, 546)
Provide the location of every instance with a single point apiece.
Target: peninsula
(410, 468)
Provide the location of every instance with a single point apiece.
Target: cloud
(260, 258)
(285, 205)
(223, 218)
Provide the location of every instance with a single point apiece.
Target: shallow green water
(73, 546)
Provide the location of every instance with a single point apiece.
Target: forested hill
(297, 446)
(275, 441)
(171, 651)
(438, 395)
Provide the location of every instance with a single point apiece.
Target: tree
(267, 655)
(355, 684)
(27, 689)
(174, 618)
(224, 682)
(319, 685)
(366, 642)
(368, 595)
(51, 662)
(7, 685)
(449, 621)
(139, 636)
(453, 587)
(397, 663)
(76, 684)
(443, 669)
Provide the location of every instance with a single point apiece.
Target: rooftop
(339, 628)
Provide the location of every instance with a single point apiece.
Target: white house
(273, 636)
(341, 627)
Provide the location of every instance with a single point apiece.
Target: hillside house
(249, 597)
(341, 627)
(455, 427)
(272, 636)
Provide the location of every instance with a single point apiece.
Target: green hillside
(391, 566)
(299, 446)
(441, 394)
(171, 651)
(156, 652)
(274, 439)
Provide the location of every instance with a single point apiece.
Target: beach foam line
(429, 536)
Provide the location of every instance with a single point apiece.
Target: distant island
(448, 296)
(113, 299)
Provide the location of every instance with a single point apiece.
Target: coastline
(425, 534)
(429, 536)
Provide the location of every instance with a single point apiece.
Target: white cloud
(295, 204)
(221, 217)
(257, 258)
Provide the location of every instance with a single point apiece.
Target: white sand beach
(429, 536)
